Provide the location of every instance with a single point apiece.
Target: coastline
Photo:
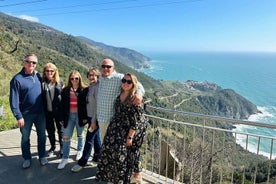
(253, 131)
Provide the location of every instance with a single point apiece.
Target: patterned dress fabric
(117, 162)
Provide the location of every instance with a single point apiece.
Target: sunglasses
(31, 62)
(126, 81)
(49, 71)
(76, 78)
(106, 66)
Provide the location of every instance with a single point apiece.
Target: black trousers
(51, 126)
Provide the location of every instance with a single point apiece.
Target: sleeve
(82, 104)
(135, 118)
(94, 108)
(62, 109)
(14, 99)
(140, 89)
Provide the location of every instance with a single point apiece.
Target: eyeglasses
(31, 62)
(76, 78)
(106, 66)
(49, 71)
(126, 81)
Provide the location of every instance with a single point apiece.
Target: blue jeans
(91, 138)
(68, 132)
(40, 124)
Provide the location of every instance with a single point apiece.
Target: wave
(254, 133)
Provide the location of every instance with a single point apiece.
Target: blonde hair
(93, 70)
(81, 83)
(133, 89)
(56, 74)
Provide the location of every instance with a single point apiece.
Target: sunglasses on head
(106, 66)
(126, 81)
(49, 71)
(76, 78)
(31, 62)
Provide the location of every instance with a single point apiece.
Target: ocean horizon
(250, 74)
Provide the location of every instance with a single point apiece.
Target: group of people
(111, 105)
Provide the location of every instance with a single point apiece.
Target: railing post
(1, 110)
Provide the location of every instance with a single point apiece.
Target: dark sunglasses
(31, 62)
(126, 81)
(76, 78)
(48, 71)
(106, 66)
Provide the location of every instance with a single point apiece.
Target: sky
(159, 25)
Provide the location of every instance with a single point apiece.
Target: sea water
(251, 75)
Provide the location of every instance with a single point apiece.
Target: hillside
(19, 37)
(124, 55)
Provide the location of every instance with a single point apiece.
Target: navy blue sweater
(25, 94)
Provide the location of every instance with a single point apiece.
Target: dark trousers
(51, 126)
(92, 138)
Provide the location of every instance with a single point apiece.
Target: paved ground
(11, 161)
(11, 171)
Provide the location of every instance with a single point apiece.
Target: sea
(250, 74)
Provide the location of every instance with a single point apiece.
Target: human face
(127, 83)
(92, 77)
(49, 73)
(107, 67)
(74, 80)
(30, 64)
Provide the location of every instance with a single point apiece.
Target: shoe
(134, 180)
(63, 163)
(76, 168)
(93, 163)
(79, 155)
(50, 153)
(43, 161)
(26, 164)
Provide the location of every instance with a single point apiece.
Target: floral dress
(117, 162)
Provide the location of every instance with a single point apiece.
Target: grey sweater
(91, 99)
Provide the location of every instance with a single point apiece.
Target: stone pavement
(11, 171)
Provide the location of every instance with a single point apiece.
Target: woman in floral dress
(120, 153)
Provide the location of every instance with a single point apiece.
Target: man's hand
(137, 99)
(20, 122)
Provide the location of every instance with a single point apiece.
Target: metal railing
(184, 147)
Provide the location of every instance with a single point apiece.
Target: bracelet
(129, 137)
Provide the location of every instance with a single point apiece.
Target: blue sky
(159, 25)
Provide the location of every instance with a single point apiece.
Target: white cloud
(29, 18)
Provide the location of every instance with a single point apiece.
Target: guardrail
(184, 147)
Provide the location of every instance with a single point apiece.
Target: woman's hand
(84, 121)
(129, 141)
(92, 127)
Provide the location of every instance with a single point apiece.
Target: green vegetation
(19, 37)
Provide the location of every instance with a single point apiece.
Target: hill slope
(19, 37)
(124, 55)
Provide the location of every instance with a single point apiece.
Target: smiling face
(49, 73)
(74, 79)
(92, 77)
(107, 67)
(127, 83)
(30, 63)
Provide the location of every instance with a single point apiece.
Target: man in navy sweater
(27, 107)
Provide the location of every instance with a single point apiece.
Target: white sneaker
(79, 155)
(63, 163)
(93, 163)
